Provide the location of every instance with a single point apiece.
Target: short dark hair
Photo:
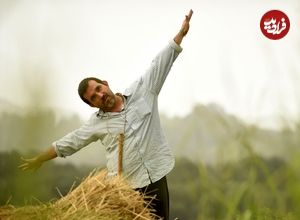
(83, 85)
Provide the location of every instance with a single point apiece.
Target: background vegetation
(249, 173)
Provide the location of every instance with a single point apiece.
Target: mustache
(105, 96)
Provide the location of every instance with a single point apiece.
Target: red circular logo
(275, 24)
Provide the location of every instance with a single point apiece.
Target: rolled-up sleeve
(75, 140)
(161, 65)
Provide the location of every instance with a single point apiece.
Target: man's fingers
(28, 164)
(25, 160)
(23, 167)
(189, 15)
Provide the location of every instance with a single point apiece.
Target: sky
(47, 47)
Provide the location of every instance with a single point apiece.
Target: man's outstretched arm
(184, 28)
(36, 162)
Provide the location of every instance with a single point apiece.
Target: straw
(97, 197)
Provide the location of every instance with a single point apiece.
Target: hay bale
(97, 197)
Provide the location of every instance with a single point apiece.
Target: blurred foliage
(252, 188)
(33, 130)
(249, 173)
(19, 188)
(209, 134)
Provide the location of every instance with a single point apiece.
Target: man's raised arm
(184, 28)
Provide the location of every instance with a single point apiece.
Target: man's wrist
(175, 46)
(178, 38)
(39, 159)
(182, 33)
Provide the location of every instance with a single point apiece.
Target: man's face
(99, 95)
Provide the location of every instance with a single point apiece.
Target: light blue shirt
(147, 157)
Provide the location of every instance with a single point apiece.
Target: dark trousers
(160, 203)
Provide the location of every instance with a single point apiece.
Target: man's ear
(105, 82)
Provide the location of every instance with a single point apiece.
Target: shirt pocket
(136, 115)
(112, 128)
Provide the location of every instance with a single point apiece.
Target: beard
(109, 102)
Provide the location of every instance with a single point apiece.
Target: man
(147, 158)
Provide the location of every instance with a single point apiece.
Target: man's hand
(184, 28)
(36, 162)
(30, 164)
(186, 23)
